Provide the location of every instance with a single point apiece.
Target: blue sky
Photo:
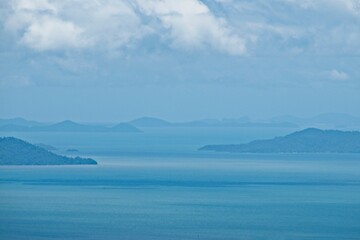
(115, 60)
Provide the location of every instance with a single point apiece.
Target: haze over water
(140, 190)
(74, 72)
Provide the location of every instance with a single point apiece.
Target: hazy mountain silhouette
(19, 122)
(310, 140)
(326, 120)
(238, 122)
(150, 122)
(69, 126)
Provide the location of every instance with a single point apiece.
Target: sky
(115, 60)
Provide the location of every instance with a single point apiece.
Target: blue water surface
(156, 185)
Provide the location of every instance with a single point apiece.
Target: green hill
(15, 151)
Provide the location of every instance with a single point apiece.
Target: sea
(157, 185)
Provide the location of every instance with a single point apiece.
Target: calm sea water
(155, 185)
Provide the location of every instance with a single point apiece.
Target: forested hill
(14, 151)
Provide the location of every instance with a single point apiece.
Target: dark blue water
(156, 185)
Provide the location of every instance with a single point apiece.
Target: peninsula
(311, 140)
(14, 151)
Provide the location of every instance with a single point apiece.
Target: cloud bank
(227, 26)
(114, 24)
(258, 42)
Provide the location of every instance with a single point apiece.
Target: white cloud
(41, 29)
(111, 24)
(50, 33)
(192, 25)
(52, 24)
(318, 27)
(229, 26)
(115, 24)
(34, 5)
(338, 75)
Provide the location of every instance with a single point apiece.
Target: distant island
(326, 120)
(148, 122)
(14, 151)
(64, 126)
(310, 140)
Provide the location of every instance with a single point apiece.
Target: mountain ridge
(310, 140)
(70, 126)
(325, 120)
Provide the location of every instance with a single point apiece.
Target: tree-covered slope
(14, 151)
